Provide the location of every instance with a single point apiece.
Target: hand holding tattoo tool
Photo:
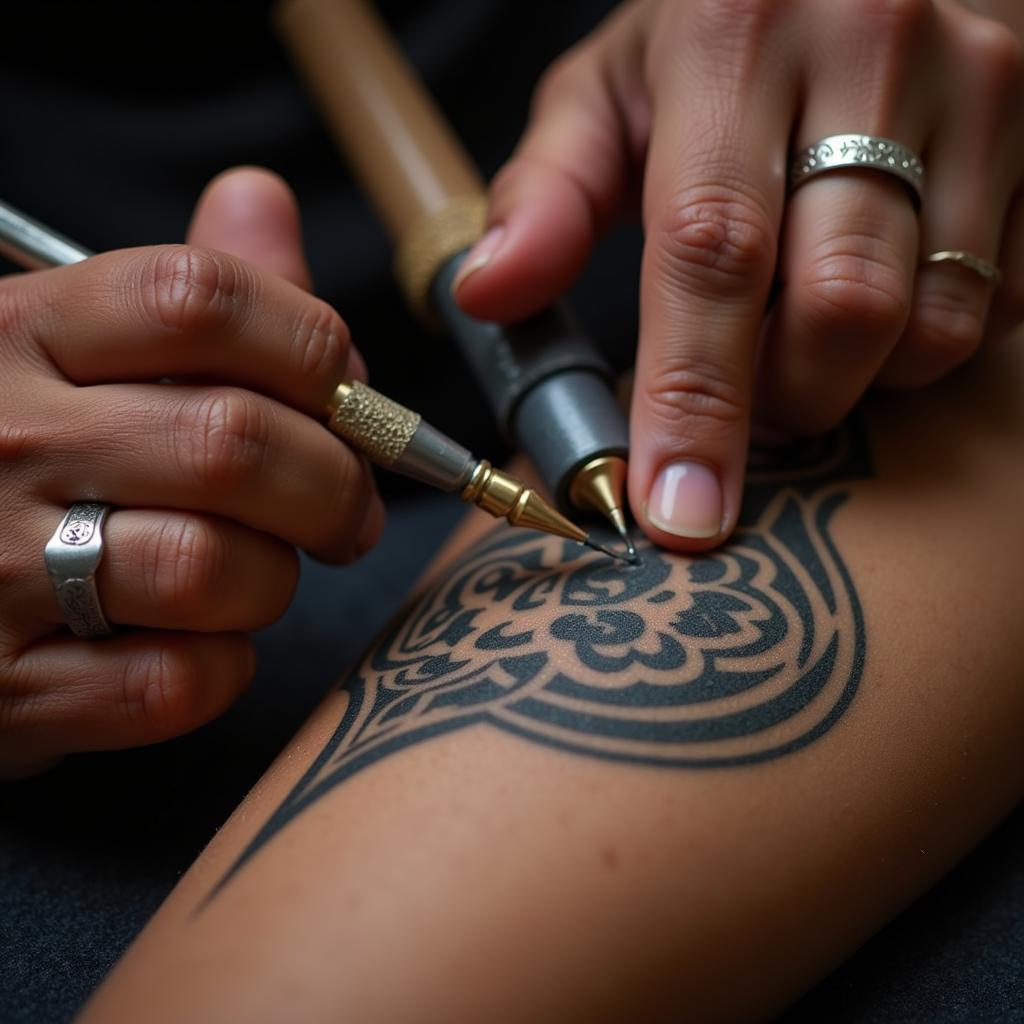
(546, 383)
(387, 433)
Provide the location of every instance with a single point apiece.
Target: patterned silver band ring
(838, 152)
(72, 555)
(989, 271)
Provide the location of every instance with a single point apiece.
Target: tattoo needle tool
(387, 433)
(547, 384)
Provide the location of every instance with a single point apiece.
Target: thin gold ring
(989, 271)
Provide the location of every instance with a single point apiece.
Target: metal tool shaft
(33, 245)
(389, 434)
(401, 441)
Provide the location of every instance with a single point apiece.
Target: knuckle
(732, 32)
(190, 291)
(852, 292)
(712, 240)
(224, 438)
(18, 442)
(319, 344)
(906, 14)
(12, 307)
(998, 52)
(161, 690)
(694, 400)
(745, 17)
(946, 329)
(188, 558)
(15, 696)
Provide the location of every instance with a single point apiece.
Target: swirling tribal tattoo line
(732, 658)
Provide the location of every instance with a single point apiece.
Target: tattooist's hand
(214, 479)
(693, 111)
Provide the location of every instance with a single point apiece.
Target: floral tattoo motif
(735, 657)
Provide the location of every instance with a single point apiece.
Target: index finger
(180, 311)
(713, 196)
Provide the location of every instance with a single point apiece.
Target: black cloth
(112, 119)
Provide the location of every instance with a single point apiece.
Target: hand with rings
(169, 513)
(827, 189)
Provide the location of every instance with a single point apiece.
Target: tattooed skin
(730, 658)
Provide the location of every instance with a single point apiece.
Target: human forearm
(594, 858)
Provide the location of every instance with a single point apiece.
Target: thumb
(564, 184)
(251, 213)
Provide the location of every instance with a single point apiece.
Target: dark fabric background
(111, 120)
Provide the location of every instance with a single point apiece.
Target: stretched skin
(556, 790)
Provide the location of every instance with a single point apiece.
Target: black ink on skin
(740, 656)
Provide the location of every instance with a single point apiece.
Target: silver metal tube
(435, 459)
(33, 245)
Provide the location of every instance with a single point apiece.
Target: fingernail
(686, 500)
(480, 255)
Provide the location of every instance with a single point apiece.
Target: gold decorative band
(989, 271)
(380, 428)
(506, 496)
(433, 240)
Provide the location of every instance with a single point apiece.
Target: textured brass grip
(431, 242)
(380, 428)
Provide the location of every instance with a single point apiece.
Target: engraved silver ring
(72, 556)
(840, 152)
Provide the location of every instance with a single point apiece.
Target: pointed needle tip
(630, 559)
(620, 525)
(618, 520)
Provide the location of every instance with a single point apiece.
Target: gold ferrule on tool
(503, 496)
(380, 428)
